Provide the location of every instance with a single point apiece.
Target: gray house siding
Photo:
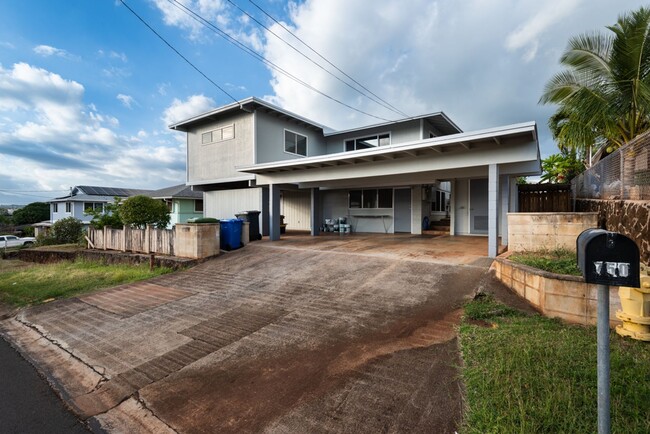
(218, 160)
(270, 138)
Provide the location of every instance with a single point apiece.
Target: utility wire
(29, 191)
(375, 100)
(393, 108)
(262, 59)
(177, 52)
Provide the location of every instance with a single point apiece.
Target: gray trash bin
(253, 217)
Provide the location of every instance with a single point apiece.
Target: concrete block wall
(196, 240)
(555, 295)
(540, 230)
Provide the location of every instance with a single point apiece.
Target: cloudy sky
(87, 90)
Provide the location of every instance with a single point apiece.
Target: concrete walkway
(275, 337)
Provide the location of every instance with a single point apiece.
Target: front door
(478, 206)
(402, 210)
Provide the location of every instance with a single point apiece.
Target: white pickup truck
(13, 241)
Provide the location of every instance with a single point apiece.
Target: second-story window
(226, 132)
(68, 207)
(55, 207)
(295, 143)
(367, 142)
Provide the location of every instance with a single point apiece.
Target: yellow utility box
(636, 309)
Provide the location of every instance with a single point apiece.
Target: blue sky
(86, 90)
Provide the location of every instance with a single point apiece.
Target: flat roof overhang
(514, 148)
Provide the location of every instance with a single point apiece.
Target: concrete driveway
(275, 337)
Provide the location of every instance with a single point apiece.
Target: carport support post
(505, 205)
(315, 211)
(493, 210)
(603, 359)
(274, 212)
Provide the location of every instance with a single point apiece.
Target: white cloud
(218, 12)
(529, 33)
(181, 110)
(484, 63)
(174, 15)
(126, 100)
(47, 51)
(55, 138)
(121, 56)
(7, 44)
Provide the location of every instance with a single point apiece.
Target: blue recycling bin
(230, 234)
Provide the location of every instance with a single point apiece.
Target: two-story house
(85, 198)
(383, 178)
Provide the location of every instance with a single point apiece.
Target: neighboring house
(384, 178)
(183, 202)
(84, 198)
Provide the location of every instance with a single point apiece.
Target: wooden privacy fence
(545, 198)
(149, 240)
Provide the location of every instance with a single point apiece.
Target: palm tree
(604, 94)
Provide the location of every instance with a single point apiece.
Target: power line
(376, 100)
(177, 52)
(262, 59)
(326, 60)
(7, 190)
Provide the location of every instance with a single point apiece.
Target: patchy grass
(61, 247)
(558, 261)
(530, 374)
(37, 283)
(7, 265)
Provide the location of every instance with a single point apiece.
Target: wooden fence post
(105, 230)
(147, 239)
(124, 230)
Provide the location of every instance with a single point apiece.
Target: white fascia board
(409, 146)
(403, 166)
(239, 105)
(244, 177)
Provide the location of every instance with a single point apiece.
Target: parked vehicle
(13, 241)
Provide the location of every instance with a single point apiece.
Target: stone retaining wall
(106, 256)
(555, 295)
(628, 217)
(546, 230)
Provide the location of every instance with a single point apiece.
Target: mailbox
(608, 258)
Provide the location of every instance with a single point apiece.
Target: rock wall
(628, 217)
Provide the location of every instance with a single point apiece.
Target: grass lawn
(558, 261)
(531, 374)
(20, 285)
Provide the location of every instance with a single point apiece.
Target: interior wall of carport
(460, 206)
(335, 204)
(224, 204)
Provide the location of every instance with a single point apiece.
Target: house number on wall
(613, 269)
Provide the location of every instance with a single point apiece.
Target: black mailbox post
(606, 258)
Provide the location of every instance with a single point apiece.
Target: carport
(481, 167)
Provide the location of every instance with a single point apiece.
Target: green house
(183, 203)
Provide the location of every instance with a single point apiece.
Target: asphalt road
(27, 403)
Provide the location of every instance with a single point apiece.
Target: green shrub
(140, 211)
(65, 231)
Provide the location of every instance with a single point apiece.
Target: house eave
(441, 145)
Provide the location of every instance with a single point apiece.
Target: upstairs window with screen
(226, 132)
(367, 142)
(295, 143)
